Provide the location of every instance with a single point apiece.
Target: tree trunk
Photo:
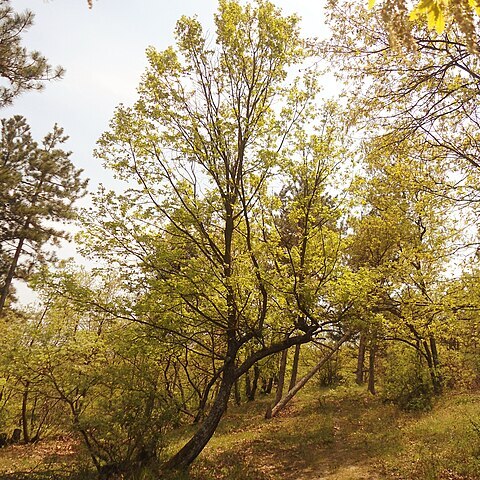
(283, 402)
(281, 376)
(431, 354)
(26, 434)
(360, 378)
(436, 364)
(296, 357)
(253, 389)
(11, 274)
(268, 390)
(236, 392)
(190, 451)
(248, 385)
(371, 368)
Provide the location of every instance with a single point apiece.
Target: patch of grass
(52, 459)
(341, 434)
(441, 444)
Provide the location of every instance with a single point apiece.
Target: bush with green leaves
(406, 381)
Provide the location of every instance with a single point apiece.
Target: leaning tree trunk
(191, 450)
(283, 402)
(183, 459)
(11, 274)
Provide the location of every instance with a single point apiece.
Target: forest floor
(341, 434)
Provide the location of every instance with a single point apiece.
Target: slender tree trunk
(371, 368)
(360, 378)
(11, 274)
(248, 385)
(281, 376)
(253, 389)
(26, 434)
(296, 357)
(436, 365)
(268, 390)
(236, 392)
(431, 355)
(283, 402)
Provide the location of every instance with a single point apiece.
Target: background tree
(38, 187)
(430, 95)
(21, 70)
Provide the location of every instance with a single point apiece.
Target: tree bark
(10, 274)
(283, 402)
(189, 452)
(360, 378)
(296, 358)
(281, 376)
(371, 368)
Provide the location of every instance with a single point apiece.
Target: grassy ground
(323, 435)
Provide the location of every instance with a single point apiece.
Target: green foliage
(21, 70)
(240, 229)
(406, 381)
(38, 186)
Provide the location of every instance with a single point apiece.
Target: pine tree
(20, 69)
(38, 185)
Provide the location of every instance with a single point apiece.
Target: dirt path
(314, 439)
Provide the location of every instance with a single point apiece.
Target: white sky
(103, 52)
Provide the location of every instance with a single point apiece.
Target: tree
(21, 70)
(418, 116)
(430, 94)
(399, 19)
(38, 187)
(207, 142)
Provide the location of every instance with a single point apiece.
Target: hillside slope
(323, 435)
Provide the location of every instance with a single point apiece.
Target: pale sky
(103, 52)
